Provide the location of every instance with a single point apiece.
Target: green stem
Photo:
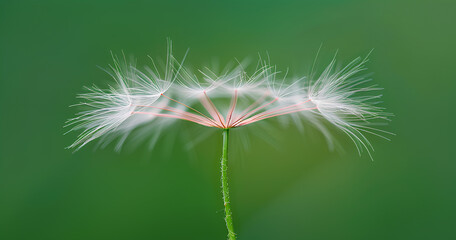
(225, 189)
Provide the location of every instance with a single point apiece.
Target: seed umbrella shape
(230, 99)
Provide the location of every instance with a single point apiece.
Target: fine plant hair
(157, 96)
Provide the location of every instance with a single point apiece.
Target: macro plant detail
(159, 95)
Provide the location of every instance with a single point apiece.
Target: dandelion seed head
(157, 97)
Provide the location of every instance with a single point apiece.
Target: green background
(295, 189)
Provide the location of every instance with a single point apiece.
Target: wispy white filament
(232, 98)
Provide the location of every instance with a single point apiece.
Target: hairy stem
(225, 189)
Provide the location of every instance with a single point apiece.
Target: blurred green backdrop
(299, 190)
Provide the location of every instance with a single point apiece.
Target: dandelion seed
(231, 99)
